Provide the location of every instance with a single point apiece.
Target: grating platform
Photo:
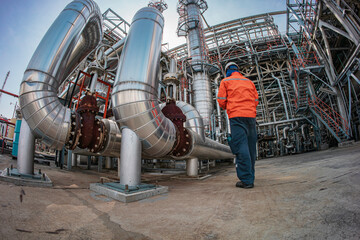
(35, 180)
(124, 193)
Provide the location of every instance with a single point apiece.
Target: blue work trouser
(243, 145)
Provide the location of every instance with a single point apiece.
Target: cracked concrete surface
(308, 196)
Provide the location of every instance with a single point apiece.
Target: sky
(23, 23)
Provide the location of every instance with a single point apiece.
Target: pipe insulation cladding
(135, 92)
(73, 35)
(135, 97)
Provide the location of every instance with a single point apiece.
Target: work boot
(240, 184)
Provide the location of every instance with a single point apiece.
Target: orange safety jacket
(238, 96)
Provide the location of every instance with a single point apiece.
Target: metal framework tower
(308, 77)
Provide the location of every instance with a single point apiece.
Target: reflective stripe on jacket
(238, 96)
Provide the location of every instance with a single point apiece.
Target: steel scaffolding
(310, 73)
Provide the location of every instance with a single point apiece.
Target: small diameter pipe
(94, 82)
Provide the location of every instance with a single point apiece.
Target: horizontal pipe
(206, 149)
(73, 35)
(280, 122)
(112, 144)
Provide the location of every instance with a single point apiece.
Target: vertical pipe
(108, 163)
(216, 81)
(89, 163)
(69, 159)
(94, 82)
(130, 158)
(100, 163)
(192, 165)
(74, 157)
(62, 157)
(26, 150)
(282, 96)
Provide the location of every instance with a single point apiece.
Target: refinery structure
(118, 136)
(100, 86)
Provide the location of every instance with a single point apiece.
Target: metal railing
(332, 118)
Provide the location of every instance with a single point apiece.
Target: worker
(238, 96)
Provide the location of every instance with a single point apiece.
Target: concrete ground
(308, 196)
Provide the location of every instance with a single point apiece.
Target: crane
(3, 86)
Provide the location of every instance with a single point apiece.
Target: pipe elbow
(73, 35)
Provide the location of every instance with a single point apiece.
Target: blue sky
(23, 23)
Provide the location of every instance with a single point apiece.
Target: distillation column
(190, 26)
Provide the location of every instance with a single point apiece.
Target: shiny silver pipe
(192, 167)
(202, 147)
(208, 149)
(203, 100)
(194, 121)
(285, 130)
(201, 87)
(108, 163)
(303, 126)
(25, 160)
(73, 35)
(173, 67)
(218, 111)
(134, 96)
(130, 158)
(282, 121)
(111, 54)
(74, 159)
(195, 42)
(94, 82)
(282, 96)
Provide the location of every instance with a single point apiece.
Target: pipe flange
(183, 144)
(75, 131)
(99, 137)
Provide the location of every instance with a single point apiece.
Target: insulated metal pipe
(192, 166)
(74, 158)
(111, 146)
(108, 164)
(134, 96)
(218, 111)
(194, 121)
(130, 158)
(25, 160)
(190, 22)
(73, 35)
(93, 82)
(208, 149)
(111, 54)
(203, 96)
